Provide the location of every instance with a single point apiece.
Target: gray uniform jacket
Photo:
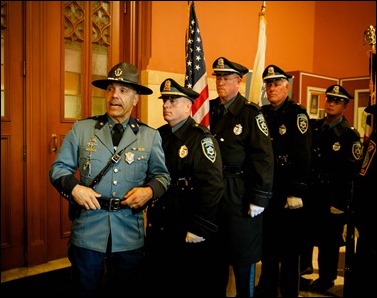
(87, 148)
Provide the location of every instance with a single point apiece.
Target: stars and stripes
(196, 74)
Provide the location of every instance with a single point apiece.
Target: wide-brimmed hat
(171, 89)
(123, 73)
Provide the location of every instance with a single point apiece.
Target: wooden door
(12, 137)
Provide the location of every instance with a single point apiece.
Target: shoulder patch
(302, 123)
(209, 149)
(262, 125)
(357, 150)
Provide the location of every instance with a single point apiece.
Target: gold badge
(237, 129)
(183, 151)
(336, 146)
(129, 157)
(282, 129)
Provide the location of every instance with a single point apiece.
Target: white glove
(334, 210)
(344, 234)
(293, 203)
(192, 238)
(255, 210)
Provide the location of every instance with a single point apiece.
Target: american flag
(196, 73)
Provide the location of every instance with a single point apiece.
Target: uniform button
(149, 225)
(221, 139)
(115, 182)
(116, 170)
(114, 194)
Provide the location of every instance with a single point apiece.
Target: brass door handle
(54, 143)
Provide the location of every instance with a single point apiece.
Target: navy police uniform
(113, 231)
(194, 162)
(291, 140)
(247, 156)
(337, 153)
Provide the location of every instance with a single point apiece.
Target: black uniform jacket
(194, 162)
(337, 156)
(291, 140)
(248, 163)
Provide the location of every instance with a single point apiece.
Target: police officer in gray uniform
(241, 131)
(114, 182)
(288, 123)
(181, 223)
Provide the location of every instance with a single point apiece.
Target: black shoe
(321, 285)
(307, 270)
(305, 284)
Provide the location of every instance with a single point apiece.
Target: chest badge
(237, 129)
(129, 157)
(336, 146)
(282, 129)
(183, 151)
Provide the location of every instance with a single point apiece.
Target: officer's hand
(344, 234)
(255, 210)
(192, 238)
(334, 210)
(86, 197)
(293, 203)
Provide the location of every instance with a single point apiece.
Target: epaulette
(101, 120)
(201, 127)
(253, 105)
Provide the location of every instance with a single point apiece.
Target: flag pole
(255, 88)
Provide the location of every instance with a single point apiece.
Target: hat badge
(271, 71)
(118, 72)
(336, 89)
(220, 63)
(167, 85)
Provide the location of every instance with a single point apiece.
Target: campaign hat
(171, 89)
(124, 73)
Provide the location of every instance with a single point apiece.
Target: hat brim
(103, 84)
(371, 109)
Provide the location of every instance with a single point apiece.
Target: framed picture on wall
(315, 102)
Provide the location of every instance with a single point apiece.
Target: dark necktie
(221, 111)
(117, 133)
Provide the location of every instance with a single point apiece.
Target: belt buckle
(114, 204)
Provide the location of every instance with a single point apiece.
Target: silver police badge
(208, 149)
(183, 151)
(262, 125)
(129, 157)
(302, 123)
(237, 129)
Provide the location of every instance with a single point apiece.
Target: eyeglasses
(225, 78)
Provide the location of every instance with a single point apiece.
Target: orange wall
(322, 37)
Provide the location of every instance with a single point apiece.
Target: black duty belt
(232, 170)
(112, 204)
